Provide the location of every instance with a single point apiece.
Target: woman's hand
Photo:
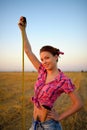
(22, 23)
(53, 115)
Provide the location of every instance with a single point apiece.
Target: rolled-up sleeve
(68, 86)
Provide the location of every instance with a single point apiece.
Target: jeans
(47, 125)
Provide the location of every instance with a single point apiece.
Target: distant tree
(82, 71)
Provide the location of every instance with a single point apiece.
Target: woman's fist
(22, 23)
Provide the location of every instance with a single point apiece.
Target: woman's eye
(47, 58)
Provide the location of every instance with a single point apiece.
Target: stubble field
(11, 98)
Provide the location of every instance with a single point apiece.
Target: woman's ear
(56, 57)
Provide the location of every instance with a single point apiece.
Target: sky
(60, 23)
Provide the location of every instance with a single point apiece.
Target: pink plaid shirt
(46, 94)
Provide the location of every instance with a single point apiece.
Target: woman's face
(48, 60)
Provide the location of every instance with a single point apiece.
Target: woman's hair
(52, 50)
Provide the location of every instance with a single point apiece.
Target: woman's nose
(44, 61)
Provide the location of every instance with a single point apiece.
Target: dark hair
(52, 50)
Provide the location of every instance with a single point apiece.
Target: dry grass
(11, 101)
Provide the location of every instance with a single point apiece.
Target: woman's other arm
(76, 106)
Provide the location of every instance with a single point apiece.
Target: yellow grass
(11, 101)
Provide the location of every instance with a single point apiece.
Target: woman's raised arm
(27, 47)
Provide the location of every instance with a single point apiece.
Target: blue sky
(60, 23)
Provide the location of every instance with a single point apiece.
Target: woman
(51, 83)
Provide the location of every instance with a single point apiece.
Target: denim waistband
(46, 124)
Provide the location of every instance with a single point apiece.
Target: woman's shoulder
(62, 75)
(41, 68)
(68, 85)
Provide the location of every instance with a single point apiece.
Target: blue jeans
(47, 125)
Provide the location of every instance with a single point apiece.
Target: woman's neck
(51, 74)
(52, 71)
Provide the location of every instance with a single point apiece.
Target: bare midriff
(40, 114)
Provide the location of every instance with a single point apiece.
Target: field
(11, 98)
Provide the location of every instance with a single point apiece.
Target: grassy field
(11, 101)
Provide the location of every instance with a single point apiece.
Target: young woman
(51, 83)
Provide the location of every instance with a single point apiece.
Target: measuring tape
(23, 87)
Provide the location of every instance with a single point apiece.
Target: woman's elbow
(79, 104)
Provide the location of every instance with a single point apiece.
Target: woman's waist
(40, 114)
